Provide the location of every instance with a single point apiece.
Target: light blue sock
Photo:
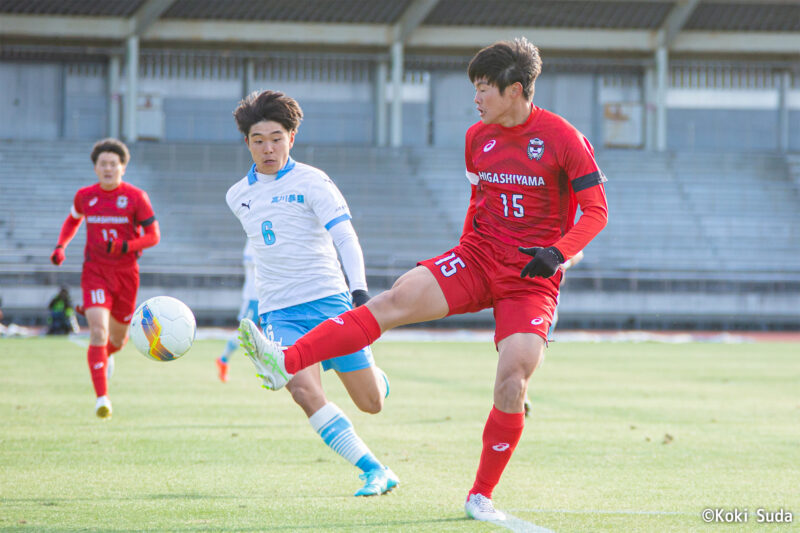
(230, 347)
(337, 432)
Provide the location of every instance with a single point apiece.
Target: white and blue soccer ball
(163, 328)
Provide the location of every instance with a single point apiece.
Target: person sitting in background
(62, 319)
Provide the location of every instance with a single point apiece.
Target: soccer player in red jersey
(119, 224)
(529, 170)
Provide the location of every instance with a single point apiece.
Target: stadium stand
(679, 221)
(691, 106)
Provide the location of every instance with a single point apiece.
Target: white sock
(336, 430)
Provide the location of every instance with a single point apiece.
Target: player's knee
(510, 391)
(370, 403)
(399, 299)
(306, 396)
(371, 406)
(98, 334)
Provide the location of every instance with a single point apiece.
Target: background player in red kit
(530, 170)
(115, 213)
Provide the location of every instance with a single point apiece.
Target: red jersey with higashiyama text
(529, 180)
(110, 215)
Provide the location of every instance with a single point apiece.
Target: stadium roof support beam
(397, 95)
(412, 18)
(211, 32)
(666, 35)
(662, 83)
(749, 42)
(381, 122)
(147, 14)
(64, 27)
(131, 89)
(409, 21)
(675, 22)
(113, 96)
(783, 111)
(138, 24)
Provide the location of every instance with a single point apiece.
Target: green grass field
(624, 437)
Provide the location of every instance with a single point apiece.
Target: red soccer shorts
(112, 287)
(479, 273)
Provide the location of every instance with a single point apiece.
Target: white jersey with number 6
(286, 218)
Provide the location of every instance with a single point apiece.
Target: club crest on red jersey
(535, 149)
(122, 202)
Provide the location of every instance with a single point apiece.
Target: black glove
(544, 263)
(360, 297)
(117, 247)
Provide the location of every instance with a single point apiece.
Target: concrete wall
(31, 100)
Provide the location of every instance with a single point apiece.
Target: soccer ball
(163, 328)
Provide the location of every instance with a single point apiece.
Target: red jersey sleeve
(586, 180)
(144, 210)
(472, 176)
(77, 205)
(71, 224)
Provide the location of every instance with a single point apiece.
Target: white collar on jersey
(252, 178)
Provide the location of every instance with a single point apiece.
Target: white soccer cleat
(479, 507)
(110, 367)
(103, 407)
(267, 356)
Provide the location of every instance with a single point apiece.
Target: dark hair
(115, 146)
(507, 62)
(268, 106)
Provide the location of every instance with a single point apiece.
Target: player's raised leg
(415, 297)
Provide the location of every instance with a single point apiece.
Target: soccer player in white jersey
(249, 309)
(296, 219)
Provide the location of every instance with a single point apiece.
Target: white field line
(520, 526)
(81, 341)
(601, 511)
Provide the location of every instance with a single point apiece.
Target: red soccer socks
(337, 336)
(500, 437)
(98, 359)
